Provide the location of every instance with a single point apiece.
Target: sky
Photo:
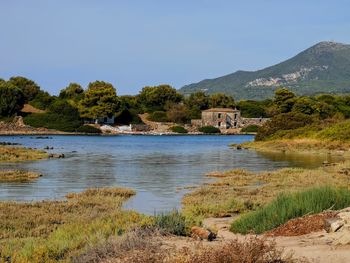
(133, 44)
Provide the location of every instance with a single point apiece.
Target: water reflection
(155, 166)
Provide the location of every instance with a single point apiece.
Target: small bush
(158, 116)
(209, 129)
(173, 223)
(178, 129)
(250, 128)
(88, 129)
(289, 206)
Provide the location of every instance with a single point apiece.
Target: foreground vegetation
(18, 154)
(145, 245)
(52, 231)
(289, 206)
(240, 191)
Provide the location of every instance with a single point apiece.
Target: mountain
(322, 68)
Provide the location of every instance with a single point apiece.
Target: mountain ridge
(322, 68)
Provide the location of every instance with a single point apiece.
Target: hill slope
(324, 67)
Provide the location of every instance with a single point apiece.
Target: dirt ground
(308, 241)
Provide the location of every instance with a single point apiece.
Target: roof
(221, 110)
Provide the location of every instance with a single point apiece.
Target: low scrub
(158, 116)
(88, 129)
(53, 121)
(178, 129)
(209, 129)
(172, 223)
(250, 128)
(289, 206)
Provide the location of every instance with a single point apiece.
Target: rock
(239, 147)
(202, 233)
(48, 148)
(56, 155)
(333, 224)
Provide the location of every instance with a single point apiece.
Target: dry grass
(240, 191)
(17, 176)
(301, 145)
(18, 154)
(52, 231)
(250, 250)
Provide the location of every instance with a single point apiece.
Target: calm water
(157, 167)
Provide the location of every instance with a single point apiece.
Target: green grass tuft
(289, 206)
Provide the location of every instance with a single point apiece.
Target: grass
(52, 231)
(289, 206)
(18, 154)
(240, 191)
(327, 137)
(17, 176)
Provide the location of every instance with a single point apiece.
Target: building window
(235, 116)
(219, 124)
(219, 115)
(235, 124)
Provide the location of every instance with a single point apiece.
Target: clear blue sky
(137, 43)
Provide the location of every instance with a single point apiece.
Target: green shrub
(284, 121)
(88, 129)
(250, 128)
(127, 116)
(53, 121)
(173, 223)
(336, 132)
(209, 129)
(178, 129)
(289, 206)
(158, 116)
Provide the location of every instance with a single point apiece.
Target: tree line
(163, 103)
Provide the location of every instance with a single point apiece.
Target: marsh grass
(51, 231)
(17, 176)
(18, 154)
(240, 191)
(289, 206)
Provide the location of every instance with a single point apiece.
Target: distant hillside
(323, 68)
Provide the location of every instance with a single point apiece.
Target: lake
(156, 167)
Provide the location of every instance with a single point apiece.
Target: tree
(251, 109)
(29, 88)
(220, 100)
(11, 99)
(100, 100)
(284, 99)
(177, 113)
(304, 105)
(157, 97)
(197, 102)
(42, 100)
(74, 91)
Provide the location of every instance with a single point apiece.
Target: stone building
(225, 118)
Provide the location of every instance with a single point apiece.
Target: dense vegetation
(323, 68)
(289, 206)
(74, 106)
(209, 129)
